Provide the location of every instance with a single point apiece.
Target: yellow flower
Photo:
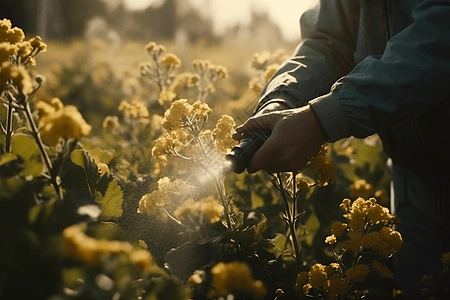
(222, 133)
(111, 123)
(10, 34)
(318, 276)
(151, 203)
(302, 279)
(306, 288)
(173, 116)
(255, 86)
(154, 48)
(392, 239)
(170, 60)
(166, 97)
(234, 277)
(260, 60)
(382, 270)
(134, 109)
(19, 77)
(354, 242)
(361, 188)
(346, 205)
(331, 239)
(208, 207)
(88, 250)
(358, 273)
(445, 259)
(201, 110)
(37, 43)
(141, 258)
(6, 51)
(338, 228)
(220, 71)
(322, 164)
(58, 121)
(336, 287)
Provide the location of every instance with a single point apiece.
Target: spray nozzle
(241, 154)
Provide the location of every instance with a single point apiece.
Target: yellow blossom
(322, 164)
(7, 51)
(37, 43)
(166, 97)
(302, 279)
(58, 121)
(358, 273)
(306, 288)
(111, 123)
(228, 278)
(220, 71)
(173, 116)
(354, 242)
(141, 258)
(19, 77)
(382, 270)
(445, 259)
(151, 203)
(336, 287)
(154, 48)
(318, 276)
(361, 188)
(201, 110)
(134, 109)
(255, 86)
(222, 133)
(77, 244)
(260, 60)
(338, 228)
(208, 207)
(331, 239)
(170, 60)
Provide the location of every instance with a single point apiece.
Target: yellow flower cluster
(358, 273)
(222, 134)
(361, 188)
(58, 121)
(383, 270)
(363, 216)
(173, 117)
(234, 277)
(90, 251)
(15, 77)
(206, 67)
(154, 48)
(135, 110)
(186, 79)
(14, 48)
(260, 60)
(151, 203)
(111, 123)
(322, 164)
(170, 60)
(322, 277)
(208, 207)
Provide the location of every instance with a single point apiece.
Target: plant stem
(290, 220)
(9, 119)
(34, 129)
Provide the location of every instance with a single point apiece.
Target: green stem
(9, 120)
(34, 129)
(291, 221)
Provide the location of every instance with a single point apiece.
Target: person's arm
(324, 55)
(411, 77)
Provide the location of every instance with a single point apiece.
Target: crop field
(114, 182)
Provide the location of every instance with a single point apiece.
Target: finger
(259, 122)
(262, 156)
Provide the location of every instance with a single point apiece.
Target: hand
(296, 137)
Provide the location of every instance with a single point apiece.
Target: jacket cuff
(331, 116)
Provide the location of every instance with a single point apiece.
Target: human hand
(296, 137)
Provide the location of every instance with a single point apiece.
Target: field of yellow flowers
(114, 183)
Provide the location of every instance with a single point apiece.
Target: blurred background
(265, 21)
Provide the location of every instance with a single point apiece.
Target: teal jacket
(375, 66)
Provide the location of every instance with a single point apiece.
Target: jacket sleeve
(411, 77)
(324, 54)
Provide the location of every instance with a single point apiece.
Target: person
(365, 67)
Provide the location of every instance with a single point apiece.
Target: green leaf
(111, 202)
(250, 235)
(81, 158)
(25, 146)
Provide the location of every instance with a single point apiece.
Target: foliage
(137, 201)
